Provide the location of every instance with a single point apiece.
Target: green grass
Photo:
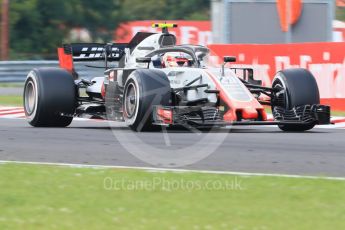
(12, 85)
(48, 197)
(338, 113)
(11, 100)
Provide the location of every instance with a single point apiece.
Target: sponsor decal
(97, 52)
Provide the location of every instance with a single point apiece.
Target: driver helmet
(175, 59)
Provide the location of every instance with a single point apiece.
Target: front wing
(210, 116)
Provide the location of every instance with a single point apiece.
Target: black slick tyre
(144, 88)
(299, 87)
(49, 97)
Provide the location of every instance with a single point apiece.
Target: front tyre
(49, 97)
(144, 89)
(298, 87)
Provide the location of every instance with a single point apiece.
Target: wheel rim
(30, 97)
(131, 101)
(281, 99)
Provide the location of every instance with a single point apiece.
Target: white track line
(151, 169)
(10, 107)
(13, 111)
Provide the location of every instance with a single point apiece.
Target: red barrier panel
(187, 32)
(325, 60)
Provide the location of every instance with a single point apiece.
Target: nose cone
(249, 113)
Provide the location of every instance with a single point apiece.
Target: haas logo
(92, 52)
(289, 12)
(98, 52)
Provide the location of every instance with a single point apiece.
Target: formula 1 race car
(151, 82)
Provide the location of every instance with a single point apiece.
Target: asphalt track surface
(320, 152)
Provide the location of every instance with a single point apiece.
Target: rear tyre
(298, 87)
(49, 97)
(144, 89)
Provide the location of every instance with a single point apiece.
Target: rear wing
(78, 52)
(95, 51)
